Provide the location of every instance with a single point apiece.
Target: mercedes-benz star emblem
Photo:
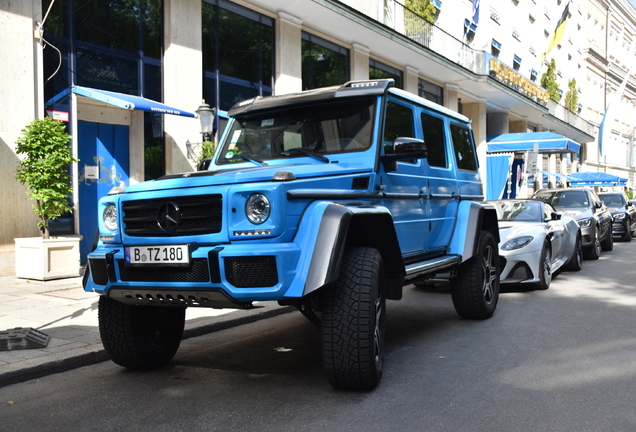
(168, 216)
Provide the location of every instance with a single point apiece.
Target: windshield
(565, 199)
(613, 200)
(328, 127)
(519, 211)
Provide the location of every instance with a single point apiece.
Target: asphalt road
(556, 360)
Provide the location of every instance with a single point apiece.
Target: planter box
(54, 258)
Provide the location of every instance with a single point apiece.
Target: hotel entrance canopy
(549, 142)
(121, 100)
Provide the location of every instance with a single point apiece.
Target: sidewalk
(66, 313)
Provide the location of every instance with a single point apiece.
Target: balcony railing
(396, 16)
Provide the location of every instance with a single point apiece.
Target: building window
(495, 48)
(533, 75)
(324, 63)
(430, 91)
(379, 70)
(238, 53)
(516, 34)
(494, 15)
(516, 63)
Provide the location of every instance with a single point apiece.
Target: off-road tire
(140, 337)
(576, 261)
(545, 269)
(476, 288)
(353, 315)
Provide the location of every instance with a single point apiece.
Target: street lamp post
(206, 117)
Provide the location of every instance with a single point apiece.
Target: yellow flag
(558, 31)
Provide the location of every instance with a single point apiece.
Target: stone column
(182, 79)
(288, 54)
(477, 112)
(498, 123)
(359, 62)
(411, 81)
(518, 126)
(451, 94)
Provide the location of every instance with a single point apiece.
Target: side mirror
(204, 164)
(404, 148)
(598, 204)
(556, 216)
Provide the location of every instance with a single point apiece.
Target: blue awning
(557, 175)
(549, 142)
(596, 179)
(120, 100)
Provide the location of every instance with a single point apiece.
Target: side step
(433, 265)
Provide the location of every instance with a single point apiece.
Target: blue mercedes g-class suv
(330, 200)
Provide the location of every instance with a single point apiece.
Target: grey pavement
(66, 313)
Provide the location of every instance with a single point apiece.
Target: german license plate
(173, 254)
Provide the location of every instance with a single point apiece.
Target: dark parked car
(584, 205)
(623, 212)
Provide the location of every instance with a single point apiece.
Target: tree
(45, 169)
(424, 8)
(549, 82)
(572, 96)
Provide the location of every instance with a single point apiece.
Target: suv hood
(247, 175)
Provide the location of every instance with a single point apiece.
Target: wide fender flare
(327, 228)
(472, 218)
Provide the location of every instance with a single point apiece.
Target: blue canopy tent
(498, 173)
(549, 142)
(596, 179)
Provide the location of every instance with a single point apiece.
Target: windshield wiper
(305, 152)
(249, 159)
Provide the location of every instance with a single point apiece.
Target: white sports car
(536, 241)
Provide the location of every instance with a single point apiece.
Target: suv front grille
(202, 214)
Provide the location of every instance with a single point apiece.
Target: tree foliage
(207, 150)
(424, 8)
(44, 169)
(549, 82)
(572, 96)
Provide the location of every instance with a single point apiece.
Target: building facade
(610, 61)
(483, 59)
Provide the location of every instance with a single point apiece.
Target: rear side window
(399, 123)
(433, 128)
(463, 146)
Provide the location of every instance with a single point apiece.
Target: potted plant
(44, 169)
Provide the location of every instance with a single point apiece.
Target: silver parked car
(536, 241)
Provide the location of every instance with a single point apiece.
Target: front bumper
(519, 267)
(231, 275)
(587, 235)
(620, 227)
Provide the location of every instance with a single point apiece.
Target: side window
(433, 128)
(464, 152)
(399, 123)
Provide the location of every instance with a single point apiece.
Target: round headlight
(257, 208)
(110, 217)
